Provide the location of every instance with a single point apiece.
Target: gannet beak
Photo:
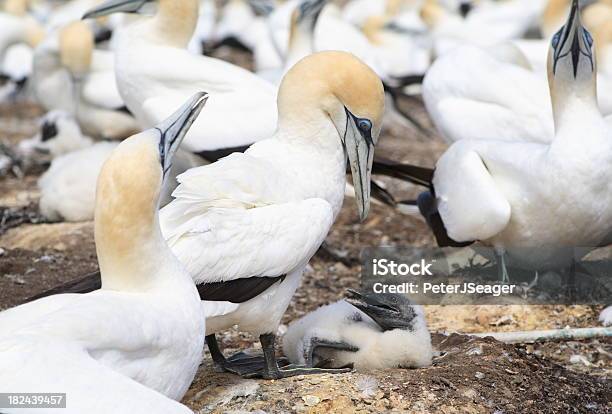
(115, 6)
(174, 129)
(310, 10)
(381, 309)
(574, 41)
(359, 145)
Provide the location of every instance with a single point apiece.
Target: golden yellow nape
(321, 79)
(554, 16)
(76, 43)
(372, 27)
(16, 7)
(597, 14)
(431, 12)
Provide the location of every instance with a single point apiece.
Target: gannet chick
(365, 332)
(59, 134)
(68, 187)
(155, 72)
(532, 202)
(139, 338)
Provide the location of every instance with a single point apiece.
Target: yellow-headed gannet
(70, 75)
(264, 213)
(133, 346)
(533, 202)
(155, 72)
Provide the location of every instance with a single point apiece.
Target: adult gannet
(68, 187)
(533, 202)
(134, 345)
(155, 71)
(366, 332)
(70, 75)
(19, 34)
(264, 213)
(488, 93)
(483, 26)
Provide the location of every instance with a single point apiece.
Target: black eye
(555, 39)
(588, 38)
(364, 125)
(48, 131)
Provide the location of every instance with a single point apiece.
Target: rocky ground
(469, 375)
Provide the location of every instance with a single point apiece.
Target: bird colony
(214, 151)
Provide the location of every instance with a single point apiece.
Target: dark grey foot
(242, 364)
(272, 370)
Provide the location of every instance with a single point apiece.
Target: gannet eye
(555, 39)
(364, 125)
(588, 38)
(48, 131)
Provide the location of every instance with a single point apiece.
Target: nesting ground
(473, 376)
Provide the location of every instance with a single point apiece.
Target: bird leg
(318, 343)
(273, 371)
(241, 363)
(501, 267)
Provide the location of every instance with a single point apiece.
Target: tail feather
(85, 284)
(417, 175)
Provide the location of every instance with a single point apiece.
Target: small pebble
(479, 375)
(311, 400)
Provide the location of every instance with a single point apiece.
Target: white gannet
(19, 34)
(68, 187)
(533, 202)
(133, 346)
(268, 210)
(482, 26)
(59, 134)
(365, 332)
(149, 53)
(488, 93)
(264, 213)
(70, 75)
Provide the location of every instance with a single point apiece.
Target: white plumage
(134, 345)
(342, 323)
(155, 73)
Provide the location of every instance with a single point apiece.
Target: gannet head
(389, 311)
(553, 16)
(351, 95)
(76, 45)
(572, 66)
(372, 28)
(305, 16)
(432, 13)
(129, 186)
(173, 23)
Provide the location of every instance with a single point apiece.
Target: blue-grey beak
(573, 41)
(173, 130)
(115, 6)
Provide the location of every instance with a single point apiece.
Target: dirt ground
(469, 376)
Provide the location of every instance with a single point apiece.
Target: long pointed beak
(115, 6)
(360, 150)
(174, 129)
(572, 41)
(385, 315)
